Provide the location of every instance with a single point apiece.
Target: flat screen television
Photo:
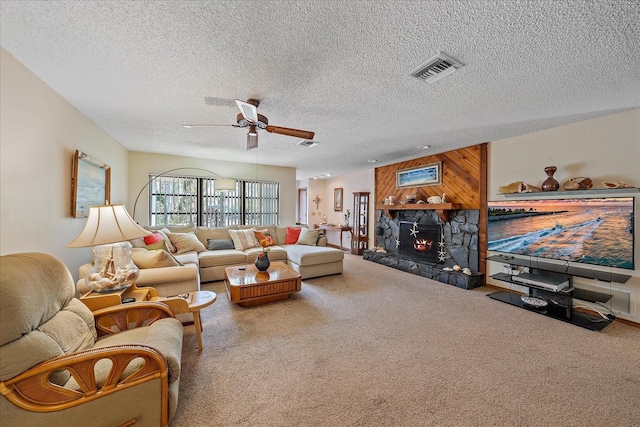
(597, 231)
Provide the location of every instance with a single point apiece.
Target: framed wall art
(337, 199)
(91, 182)
(419, 176)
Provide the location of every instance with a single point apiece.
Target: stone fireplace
(419, 242)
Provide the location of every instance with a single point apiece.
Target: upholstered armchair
(61, 364)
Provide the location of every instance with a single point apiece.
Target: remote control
(126, 300)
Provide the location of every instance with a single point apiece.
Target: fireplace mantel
(442, 209)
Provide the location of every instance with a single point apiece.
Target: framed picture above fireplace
(418, 176)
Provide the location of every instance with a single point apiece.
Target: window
(179, 200)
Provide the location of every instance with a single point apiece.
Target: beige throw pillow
(244, 239)
(308, 237)
(153, 259)
(186, 242)
(165, 235)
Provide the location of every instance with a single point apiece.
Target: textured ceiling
(340, 68)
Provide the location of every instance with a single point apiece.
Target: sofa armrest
(155, 276)
(118, 318)
(33, 391)
(150, 276)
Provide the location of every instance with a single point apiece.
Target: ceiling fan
(249, 117)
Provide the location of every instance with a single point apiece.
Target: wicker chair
(61, 364)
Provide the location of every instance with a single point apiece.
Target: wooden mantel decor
(442, 209)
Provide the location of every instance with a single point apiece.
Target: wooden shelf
(586, 272)
(442, 209)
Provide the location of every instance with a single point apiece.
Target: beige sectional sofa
(196, 249)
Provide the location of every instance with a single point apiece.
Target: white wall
(603, 149)
(141, 164)
(39, 132)
(361, 181)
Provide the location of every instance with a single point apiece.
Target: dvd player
(546, 281)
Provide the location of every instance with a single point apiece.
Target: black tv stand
(557, 303)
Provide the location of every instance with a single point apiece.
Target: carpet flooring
(379, 347)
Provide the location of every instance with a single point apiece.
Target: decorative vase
(550, 184)
(113, 269)
(262, 262)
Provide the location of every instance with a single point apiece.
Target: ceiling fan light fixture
(252, 130)
(252, 140)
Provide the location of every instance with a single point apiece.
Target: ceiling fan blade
(249, 111)
(219, 102)
(298, 133)
(207, 125)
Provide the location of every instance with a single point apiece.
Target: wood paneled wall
(462, 178)
(464, 181)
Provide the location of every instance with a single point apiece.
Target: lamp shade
(225, 184)
(108, 224)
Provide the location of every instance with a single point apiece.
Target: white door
(302, 206)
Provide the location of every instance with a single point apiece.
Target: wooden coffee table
(247, 286)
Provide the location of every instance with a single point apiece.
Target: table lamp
(108, 230)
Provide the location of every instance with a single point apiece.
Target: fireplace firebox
(419, 242)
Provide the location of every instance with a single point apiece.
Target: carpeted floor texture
(379, 347)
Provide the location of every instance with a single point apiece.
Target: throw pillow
(219, 244)
(244, 239)
(138, 243)
(292, 235)
(266, 236)
(156, 246)
(308, 237)
(153, 238)
(153, 259)
(186, 242)
(165, 235)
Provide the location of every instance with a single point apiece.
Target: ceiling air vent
(436, 68)
(308, 143)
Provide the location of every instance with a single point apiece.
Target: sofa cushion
(264, 236)
(311, 255)
(293, 233)
(186, 242)
(275, 253)
(217, 233)
(187, 258)
(308, 237)
(244, 239)
(153, 259)
(165, 236)
(161, 245)
(190, 228)
(218, 244)
(138, 243)
(221, 257)
(165, 335)
(152, 238)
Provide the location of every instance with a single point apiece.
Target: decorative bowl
(535, 302)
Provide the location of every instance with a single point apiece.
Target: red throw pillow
(153, 238)
(292, 236)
